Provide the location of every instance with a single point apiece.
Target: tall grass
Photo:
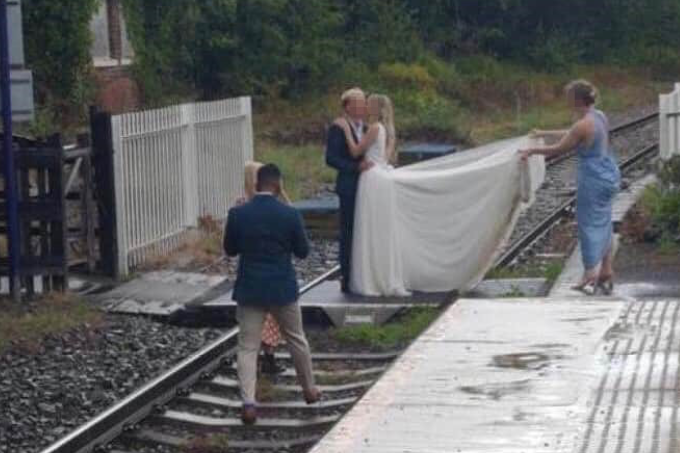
(304, 168)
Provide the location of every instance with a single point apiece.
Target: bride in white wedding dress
(438, 225)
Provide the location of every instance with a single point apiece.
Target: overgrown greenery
(390, 335)
(291, 47)
(213, 443)
(662, 203)
(57, 41)
(54, 314)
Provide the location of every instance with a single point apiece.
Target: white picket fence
(172, 166)
(669, 117)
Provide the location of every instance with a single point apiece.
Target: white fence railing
(669, 117)
(172, 166)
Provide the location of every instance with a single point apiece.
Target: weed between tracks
(267, 391)
(388, 336)
(216, 443)
(27, 325)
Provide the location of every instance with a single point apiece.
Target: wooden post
(104, 188)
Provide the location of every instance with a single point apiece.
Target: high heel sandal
(606, 285)
(589, 288)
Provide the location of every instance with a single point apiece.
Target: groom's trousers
(347, 206)
(250, 320)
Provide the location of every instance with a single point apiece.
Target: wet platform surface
(528, 375)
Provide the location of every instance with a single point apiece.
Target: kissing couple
(362, 148)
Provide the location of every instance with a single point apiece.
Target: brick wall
(117, 91)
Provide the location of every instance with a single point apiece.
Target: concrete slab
(322, 205)
(628, 198)
(343, 309)
(634, 406)
(160, 293)
(497, 376)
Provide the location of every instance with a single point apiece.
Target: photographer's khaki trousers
(251, 320)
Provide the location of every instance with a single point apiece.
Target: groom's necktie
(358, 130)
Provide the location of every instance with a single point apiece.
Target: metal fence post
(247, 111)
(11, 194)
(190, 165)
(121, 213)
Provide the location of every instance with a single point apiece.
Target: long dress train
(438, 225)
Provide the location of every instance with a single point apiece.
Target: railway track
(558, 196)
(195, 406)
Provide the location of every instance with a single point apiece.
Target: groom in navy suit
(349, 168)
(265, 233)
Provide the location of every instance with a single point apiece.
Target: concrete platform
(162, 293)
(541, 375)
(343, 309)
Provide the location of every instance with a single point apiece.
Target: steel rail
(544, 226)
(619, 129)
(137, 406)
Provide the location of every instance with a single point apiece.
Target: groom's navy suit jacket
(338, 156)
(265, 233)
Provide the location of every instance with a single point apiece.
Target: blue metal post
(13, 244)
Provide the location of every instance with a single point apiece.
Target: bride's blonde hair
(386, 117)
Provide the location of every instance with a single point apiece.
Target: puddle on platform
(522, 361)
(498, 391)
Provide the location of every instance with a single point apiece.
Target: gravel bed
(71, 378)
(323, 257)
(47, 393)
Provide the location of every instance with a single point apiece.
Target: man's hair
(352, 93)
(268, 175)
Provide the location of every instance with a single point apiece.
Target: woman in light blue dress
(598, 182)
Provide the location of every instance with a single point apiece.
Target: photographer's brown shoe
(313, 396)
(249, 414)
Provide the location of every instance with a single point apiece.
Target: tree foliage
(217, 47)
(57, 43)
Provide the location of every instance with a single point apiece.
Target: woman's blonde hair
(250, 182)
(251, 170)
(583, 91)
(386, 117)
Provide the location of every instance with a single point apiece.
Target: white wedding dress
(438, 225)
(377, 268)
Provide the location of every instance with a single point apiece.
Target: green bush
(402, 75)
(662, 201)
(57, 41)
(555, 54)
